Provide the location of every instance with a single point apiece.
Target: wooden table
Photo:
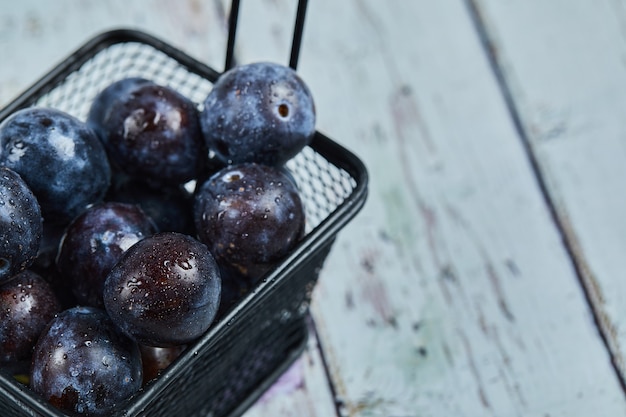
(486, 275)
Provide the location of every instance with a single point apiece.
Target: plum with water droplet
(83, 365)
(157, 359)
(21, 225)
(27, 304)
(150, 131)
(251, 216)
(94, 242)
(260, 112)
(165, 290)
(168, 206)
(235, 286)
(59, 157)
(45, 263)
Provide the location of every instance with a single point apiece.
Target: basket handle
(295, 44)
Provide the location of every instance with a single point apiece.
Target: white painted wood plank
(568, 80)
(36, 35)
(451, 294)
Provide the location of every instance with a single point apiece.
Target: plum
(150, 131)
(27, 304)
(94, 242)
(260, 112)
(164, 291)
(82, 364)
(250, 215)
(21, 225)
(59, 157)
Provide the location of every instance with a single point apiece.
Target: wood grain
(567, 83)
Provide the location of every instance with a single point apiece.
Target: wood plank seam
(591, 289)
(325, 366)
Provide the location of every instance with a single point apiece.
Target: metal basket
(242, 353)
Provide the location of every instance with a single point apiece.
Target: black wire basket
(239, 357)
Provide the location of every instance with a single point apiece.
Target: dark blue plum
(83, 365)
(45, 263)
(156, 359)
(164, 291)
(94, 242)
(27, 304)
(21, 225)
(105, 101)
(169, 206)
(250, 216)
(260, 112)
(150, 131)
(234, 287)
(59, 157)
